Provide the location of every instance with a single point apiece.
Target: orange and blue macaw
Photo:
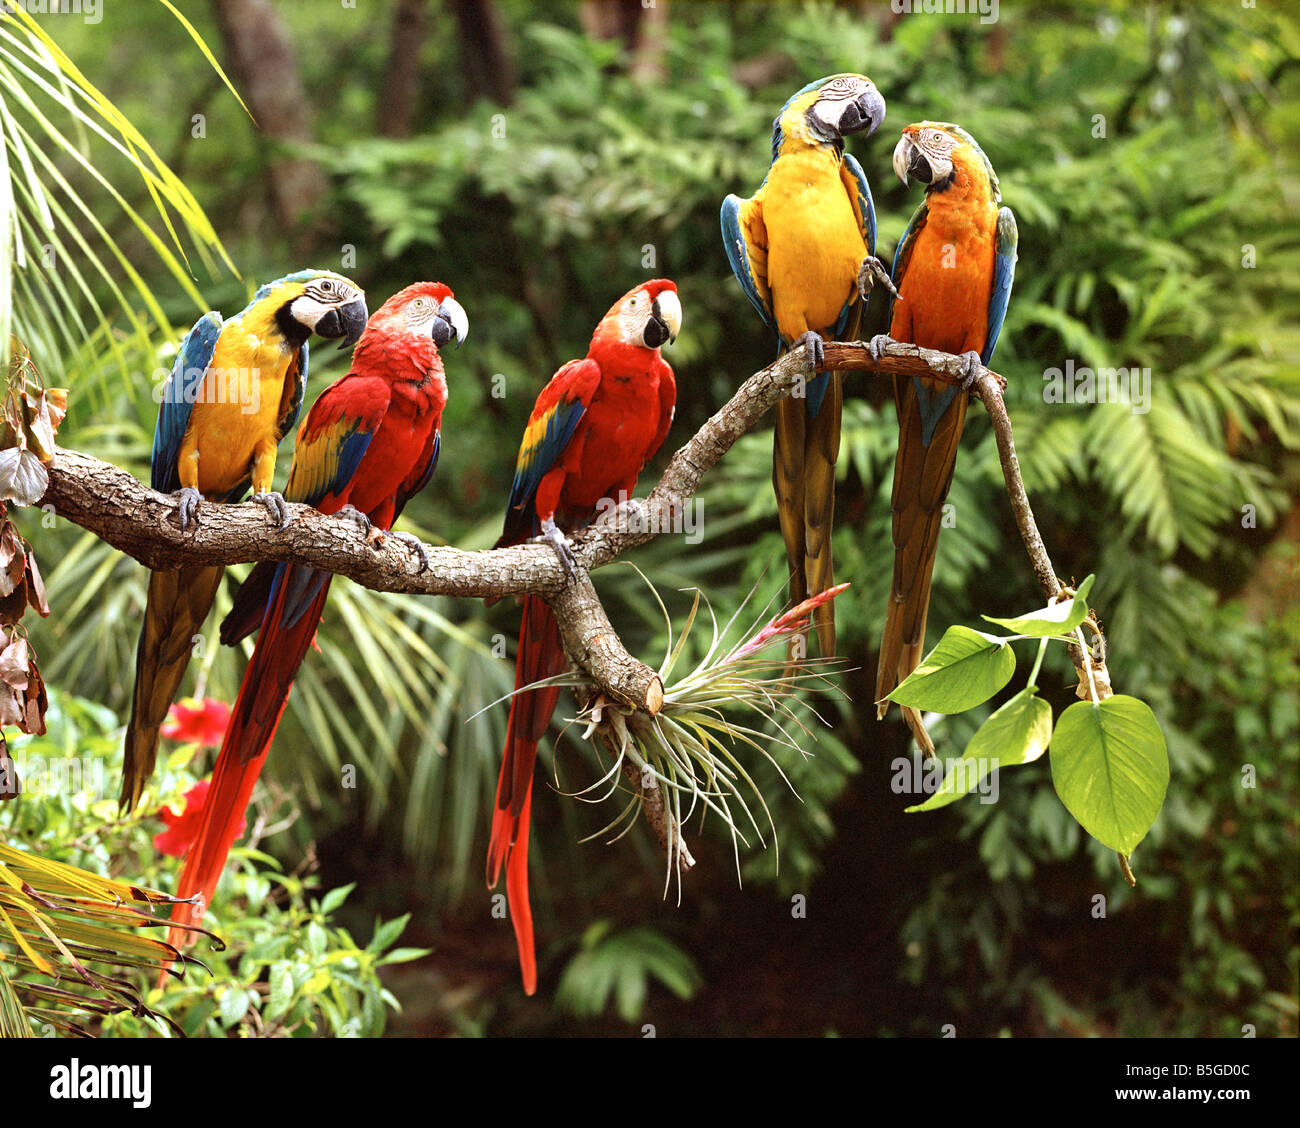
(803, 249)
(368, 445)
(235, 390)
(953, 270)
(592, 430)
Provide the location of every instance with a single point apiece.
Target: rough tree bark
(112, 504)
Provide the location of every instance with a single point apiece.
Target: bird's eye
(633, 303)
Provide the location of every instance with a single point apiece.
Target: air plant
(744, 695)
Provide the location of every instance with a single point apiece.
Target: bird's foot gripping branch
(112, 504)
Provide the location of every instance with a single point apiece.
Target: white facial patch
(833, 97)
(632, 317)
(308, 311)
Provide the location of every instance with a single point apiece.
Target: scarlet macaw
(803, 249)
(593, 428)
(235, 390)
(369, 444)
(953, 269)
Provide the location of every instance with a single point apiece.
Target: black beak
(450, 323)
(867, 111)
(918, 167)
(346, 321)
(442, 331)
(656, 330)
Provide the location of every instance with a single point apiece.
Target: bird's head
(830, 109)
(424, 310)
(320, 302)
(647, 317)
(938, 152)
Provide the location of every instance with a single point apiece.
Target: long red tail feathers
(541, 655)
(510, 845)
(263, 695)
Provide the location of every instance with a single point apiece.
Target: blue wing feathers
(559, 430)
(179, 393)
(1004, 270)
(733, 239)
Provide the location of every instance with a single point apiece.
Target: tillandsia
(740, 695)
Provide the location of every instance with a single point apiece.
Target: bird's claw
(188, 505)
(870, 272)
(417, 546)
(563, 549)
(974, 365)
(276, 507)
(876, 346)
(815, 346)
(353, 514)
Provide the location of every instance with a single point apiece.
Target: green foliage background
(1146, 149)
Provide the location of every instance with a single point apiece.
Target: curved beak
(345, 321)
(450, 323)
(867, 111)
(665, 320)
(908, 159)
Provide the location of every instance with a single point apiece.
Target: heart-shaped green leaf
(1059, 618)
(1018, 733)
(1111, 768)
(965, 669)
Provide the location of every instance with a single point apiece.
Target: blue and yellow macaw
(953, 267)
(235, 390)
(803, 250)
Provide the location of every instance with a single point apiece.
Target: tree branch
(140, 522)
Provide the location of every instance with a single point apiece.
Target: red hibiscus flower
(197, 722)
(182, 829)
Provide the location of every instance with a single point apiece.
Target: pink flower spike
(789, 621)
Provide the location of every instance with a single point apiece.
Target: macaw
(368, 445)
(235, 390)
(593, 428)
(953, 269)
(803, 249)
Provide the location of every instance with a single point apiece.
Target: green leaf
(335, 898)
(234, 1005)
(965, 669)
(317, 939)
(405, 955)
(1018, 733)
(281, 995)
(387, 933)
(1059, 618)
(1110, 767)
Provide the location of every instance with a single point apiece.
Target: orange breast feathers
(949, 277)
(815, 242)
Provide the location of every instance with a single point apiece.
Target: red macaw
(953, 269)
(369, 444)
(594, 427)
(235, 390)
(803, 250)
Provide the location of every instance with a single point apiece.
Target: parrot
(235, 389)
(367, 446)
(803, 250)
(953, 270)
(592, 430)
